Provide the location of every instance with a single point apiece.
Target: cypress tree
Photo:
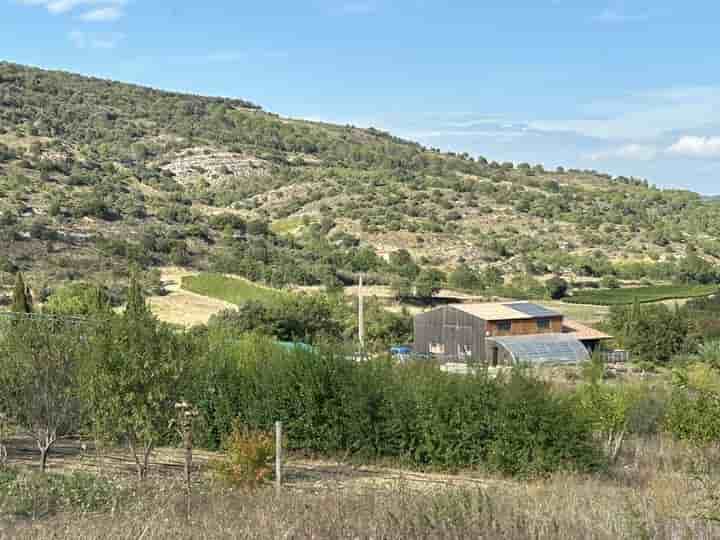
(136, 306)
(22, 299)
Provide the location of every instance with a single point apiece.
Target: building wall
(450, 334)
(524, 327)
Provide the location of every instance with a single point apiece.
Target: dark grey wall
(452, 328)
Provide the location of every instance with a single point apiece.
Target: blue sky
(626, 87)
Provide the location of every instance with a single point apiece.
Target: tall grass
(660, 505)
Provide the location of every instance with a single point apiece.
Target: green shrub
(415, 413)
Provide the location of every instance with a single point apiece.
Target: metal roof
(506, 311)
(580, 331)
(544, 348)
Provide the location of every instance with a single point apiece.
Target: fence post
(278, 457)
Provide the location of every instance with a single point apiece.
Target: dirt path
(183, 307)
(299, 474)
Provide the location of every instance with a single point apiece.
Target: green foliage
(465, 277)
(39, 370)
(694, 413)
(415, 412)
(619, 410)
(78, 299)
(652, 332)
(539, 432)
(428, 283)
(22, 297)
(129, 382)
(617, 297)
(556, 287)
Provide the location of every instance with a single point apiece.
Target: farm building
(503, 333)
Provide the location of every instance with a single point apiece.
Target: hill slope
(95, 175)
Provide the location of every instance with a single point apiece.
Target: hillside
(97, 175)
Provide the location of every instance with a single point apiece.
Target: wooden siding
(525, 327)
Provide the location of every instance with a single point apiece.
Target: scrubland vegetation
(586, 453)
(96, 176)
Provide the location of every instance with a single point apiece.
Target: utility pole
(361, 316)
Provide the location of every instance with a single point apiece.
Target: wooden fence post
(278, 457)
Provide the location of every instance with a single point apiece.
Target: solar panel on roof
(544, 348)
(533, 310)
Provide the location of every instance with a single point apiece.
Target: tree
(464, 277)
(611, 409)
(129, 385)
(38, 373)
(492, 277)
(428, 283)
(652, 332)
(556, 287)
(402, 263)
(22, 298)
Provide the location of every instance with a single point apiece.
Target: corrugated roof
(506, 311)
(544, 348)
(580, 331)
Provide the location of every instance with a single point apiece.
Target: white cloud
(108, 13)
(696, 147)
(643, 116)
(85, 40)
(94, 10)
(628, 152)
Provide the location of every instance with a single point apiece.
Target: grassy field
(584, 313)
(286, 226)
(616, 297)
(228, 289)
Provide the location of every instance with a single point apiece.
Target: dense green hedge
(415, 413)
(615, 297)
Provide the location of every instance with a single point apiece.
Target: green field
(229, 289)
(286, 226)
(618, 297)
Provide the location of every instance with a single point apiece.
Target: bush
(414, 413)
(248, 457)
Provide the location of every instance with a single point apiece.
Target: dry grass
(650, 494)
(183, 307)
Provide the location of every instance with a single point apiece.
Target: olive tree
(38, 373)
(130, 380)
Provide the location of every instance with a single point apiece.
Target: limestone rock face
(215, 165)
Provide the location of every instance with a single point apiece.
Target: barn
(503, 334)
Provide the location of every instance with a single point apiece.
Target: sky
(625, 87)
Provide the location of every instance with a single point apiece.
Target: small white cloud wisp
(696, 147)
(90, 10)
